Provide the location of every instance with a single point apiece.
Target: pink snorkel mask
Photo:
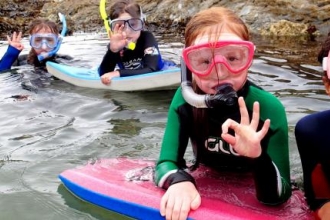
(326, 64)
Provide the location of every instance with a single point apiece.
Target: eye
(232, 58)
(50, 39)
(38, 39)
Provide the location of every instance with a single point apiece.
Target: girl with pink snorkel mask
(231, 123)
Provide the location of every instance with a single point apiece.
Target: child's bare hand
(246, 141)
(15, 41)
(118, 38)
(106, 78)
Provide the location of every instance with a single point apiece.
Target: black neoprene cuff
(179, 176)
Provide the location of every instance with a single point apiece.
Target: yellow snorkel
(106, 19)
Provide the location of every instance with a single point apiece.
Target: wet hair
(214, 20)
(39, 24)
(125, 6)
(324, 49)
(34, 27)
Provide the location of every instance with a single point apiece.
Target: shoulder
(147, 35)
(178, 99)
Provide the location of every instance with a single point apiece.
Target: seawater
(57, 126)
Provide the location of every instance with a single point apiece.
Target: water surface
(50, 126)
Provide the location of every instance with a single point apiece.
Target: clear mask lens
(136, 24)
(201, 59)
(37, 41)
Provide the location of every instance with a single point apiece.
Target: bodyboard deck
(89, 78)
(126, 186)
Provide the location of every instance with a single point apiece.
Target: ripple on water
(59, 126)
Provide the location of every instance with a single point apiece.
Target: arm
(14, 49)
(109, 62)
(181, 193)
(9, 58)
(272, 168)
(168, 169)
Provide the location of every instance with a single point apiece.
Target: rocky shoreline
(276, 18)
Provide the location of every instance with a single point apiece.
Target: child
(14, 49)
(226, 132)
(132, 49)
(312, 136)
(45, 41)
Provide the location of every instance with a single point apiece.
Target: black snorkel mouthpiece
(225, 96)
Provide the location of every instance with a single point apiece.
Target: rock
(268, 17)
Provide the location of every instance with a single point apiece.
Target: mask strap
(142, 15)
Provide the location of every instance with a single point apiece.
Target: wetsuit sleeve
(9, 58)
(151, 58)
(109, 62)
(168, 169)
(272, 168)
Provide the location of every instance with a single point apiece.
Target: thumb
(196, 202)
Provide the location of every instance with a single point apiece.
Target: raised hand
(15, 41)
(246, 141)
(118, 38)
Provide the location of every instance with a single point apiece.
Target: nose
(44, 45)
(219, 66)
(220, 71)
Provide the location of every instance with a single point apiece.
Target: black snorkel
(225, 96)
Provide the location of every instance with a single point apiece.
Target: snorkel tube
(43, 56)
(225, 96)
(106, 20)
(104, 15)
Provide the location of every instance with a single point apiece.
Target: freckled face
(220, 74)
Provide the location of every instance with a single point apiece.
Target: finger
(229, 123)
(262, 133)
(19, 36)
(116, 29)
(196, 202)
(121, 28)
(177, 208)
(163, 202)
(184, 209)
(110, 33)
(104, 80)
(230, 139)
(245, 120)
(169, 207)
(255, 115)
(14, 38)
(124, 34)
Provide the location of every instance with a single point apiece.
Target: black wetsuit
(313, 141)
(145, 58)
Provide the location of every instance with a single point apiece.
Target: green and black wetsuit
(271, 170)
